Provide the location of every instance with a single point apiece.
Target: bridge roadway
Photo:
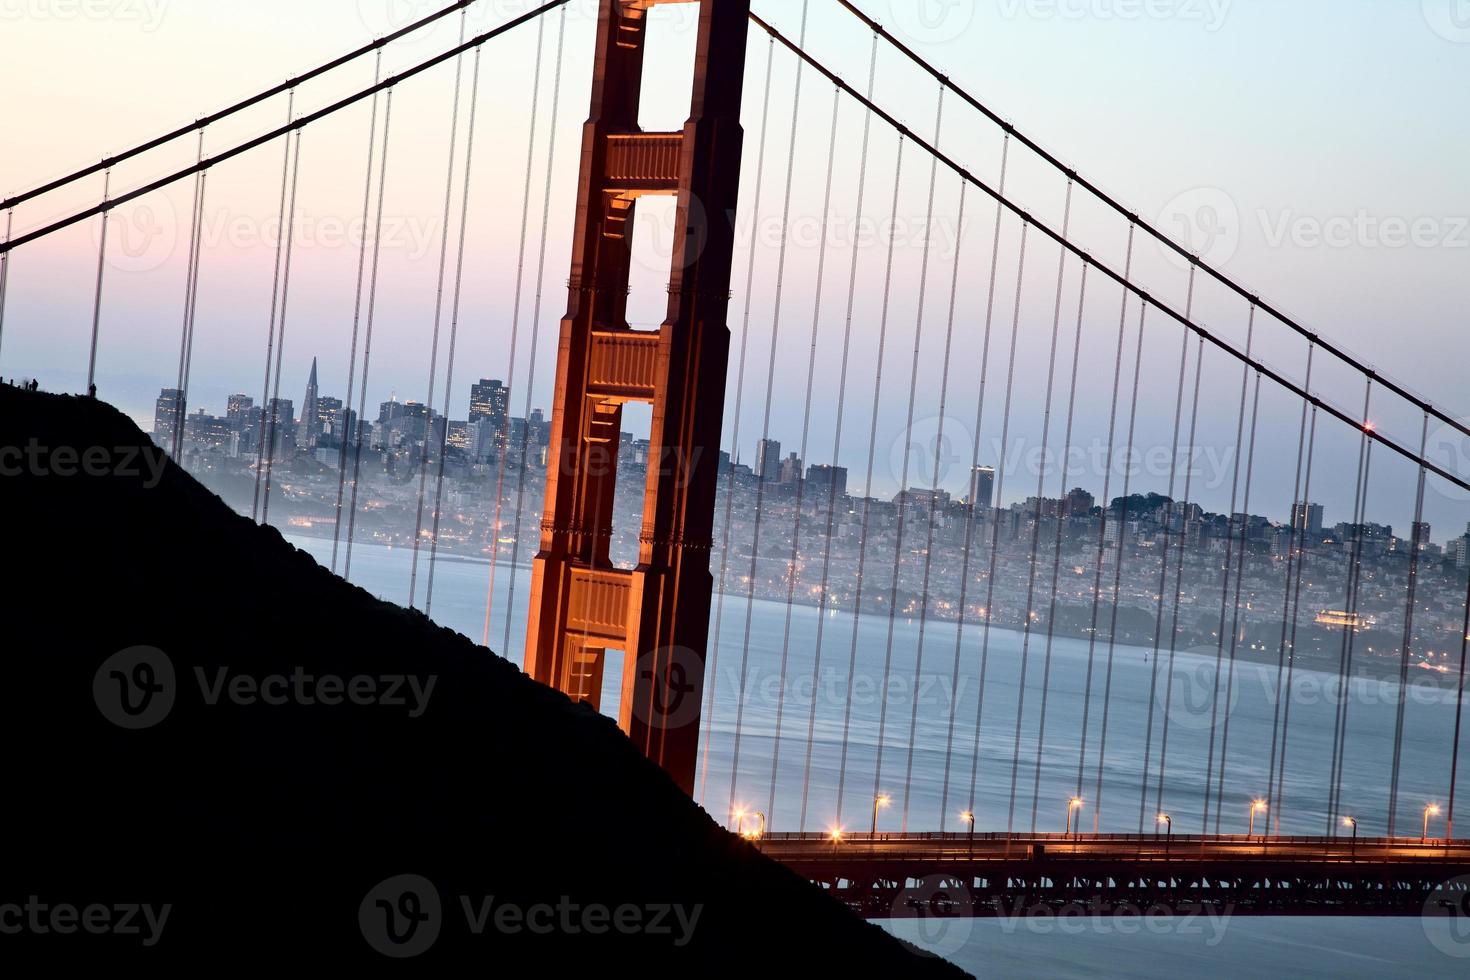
(992, 874)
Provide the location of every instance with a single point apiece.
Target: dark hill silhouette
(268, 829)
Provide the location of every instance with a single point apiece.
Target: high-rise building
(1079, 503)
(823, 480)
(489, 402)
(1306, 517)
(982, 487)
(791, 469)
(310, 427)
(768, 459)
(166, 416)
(237, 410)
(280, 419)
(329, 420)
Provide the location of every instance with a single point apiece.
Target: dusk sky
(1314, 150)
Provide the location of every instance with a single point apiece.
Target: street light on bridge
(1168, 823)
(835, 835)
(1073, 805)
(1430, 810)
(1353, 823)
(881, 800)
(1257, 806)
(969, 817)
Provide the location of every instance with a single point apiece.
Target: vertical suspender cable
(1294, 558)
(1064, 513)
(515, 548)
(97, 300)
(367, 340)
(903, 481)
(764, 475)
(712, 676)
(367, 199)
(1449, 830)
(270, 335)
(1414, 546)
(193, 307)
(954, 283)
(1028, 617)
(1296, 604)
(1000, 468)
(1355, 570)
(1169, 510)
(1102, 741)
(270, 457)
(974, 516)
(1225, 592)
(1102, 524)
(5, 269)
(857, 602)
(806, 418)
(464, 220)
(811, 724)
(502, 441)
(1235, 626)
(180, 408)
(418, 523)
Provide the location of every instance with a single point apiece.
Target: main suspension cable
(1163, 239)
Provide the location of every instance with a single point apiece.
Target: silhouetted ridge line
(267, 816)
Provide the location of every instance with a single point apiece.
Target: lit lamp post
(1073, 805)
(1430, 810)
(758, 834)
(1353, 823)
(969, 817)
(1257, 806)
(1168, 823)
(835, 834)
(739, 815)
(881, 800)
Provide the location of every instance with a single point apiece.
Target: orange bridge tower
(658, 612)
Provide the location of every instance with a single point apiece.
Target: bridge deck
(888, 875)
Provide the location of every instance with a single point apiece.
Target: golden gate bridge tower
(657, 613)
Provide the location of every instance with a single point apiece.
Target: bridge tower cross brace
(658, 612)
